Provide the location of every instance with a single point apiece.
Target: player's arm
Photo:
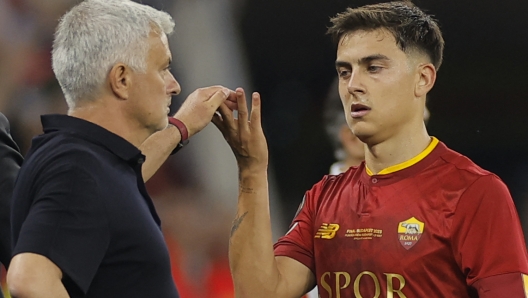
(157, 149)
(488, 242)
(256, 271)
(196, 112)
(507, 285)
(32, 275)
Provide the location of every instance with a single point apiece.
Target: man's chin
(162, 127)
(156, 128)
(364, 134)
(164, 123)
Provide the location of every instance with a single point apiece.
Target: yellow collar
(408, 163)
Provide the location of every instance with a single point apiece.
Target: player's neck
(395, 150)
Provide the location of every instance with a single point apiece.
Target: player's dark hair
(411, 27)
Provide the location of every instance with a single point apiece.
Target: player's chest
(380, 230)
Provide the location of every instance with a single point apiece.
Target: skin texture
(150, 92)
(44, 277)
(374, 72)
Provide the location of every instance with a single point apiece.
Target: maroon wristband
(181, 127)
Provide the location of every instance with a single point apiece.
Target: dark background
(478, 104)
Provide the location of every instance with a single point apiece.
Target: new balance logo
(327, 231)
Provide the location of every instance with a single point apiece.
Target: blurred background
(279, 48)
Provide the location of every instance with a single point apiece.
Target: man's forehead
(160, 42)
(360, 43)
(164, 39)
(371, 37)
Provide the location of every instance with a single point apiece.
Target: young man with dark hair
(416, 219)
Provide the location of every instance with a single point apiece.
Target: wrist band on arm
(183, 132)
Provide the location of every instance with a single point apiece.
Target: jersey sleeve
(298, 241)
(488, 243)
(67, 223)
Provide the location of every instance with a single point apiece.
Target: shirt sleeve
(67, 223)
(488, 243)
(298, 242)
(509, 285)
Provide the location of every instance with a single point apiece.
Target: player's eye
(343, 73)
(374, 69)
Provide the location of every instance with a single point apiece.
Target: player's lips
(359, 110)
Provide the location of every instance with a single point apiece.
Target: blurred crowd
(196, 190)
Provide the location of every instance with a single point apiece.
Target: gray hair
(95, 35)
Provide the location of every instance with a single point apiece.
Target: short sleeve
(298, 242)
(67, 223)
(487, 236)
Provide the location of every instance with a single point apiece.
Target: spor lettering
(335, 282)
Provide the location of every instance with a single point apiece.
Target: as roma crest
(410, 231)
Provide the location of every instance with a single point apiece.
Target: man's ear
(120, 78)
(426, 77)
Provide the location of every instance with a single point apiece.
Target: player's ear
(120, 80)
(426, 77)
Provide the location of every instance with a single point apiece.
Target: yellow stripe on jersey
(408, 163)
(525, 283)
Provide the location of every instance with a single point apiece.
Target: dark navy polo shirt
(80, 201)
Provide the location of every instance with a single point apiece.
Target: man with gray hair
(83, 224)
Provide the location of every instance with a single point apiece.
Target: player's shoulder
(340, 177)
(460, 170)
(49, 153)
(332, 183)
(461, 163)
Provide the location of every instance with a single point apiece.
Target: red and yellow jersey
(435, 226)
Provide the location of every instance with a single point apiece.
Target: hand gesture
(244, 135)
(198, 109)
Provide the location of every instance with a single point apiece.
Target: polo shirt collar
(93, 133)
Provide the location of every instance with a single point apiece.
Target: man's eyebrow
(339, 63)
(371, 58)
(364, 60)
